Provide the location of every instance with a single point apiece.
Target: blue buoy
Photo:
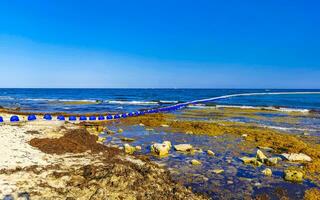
(101, 117)
(131, 114)
(116, 116)
(92, 118)
(83, 118)
(61, 118)
(72, 118)
(32, 117)
(14, 118)
(1, 119)
(109, 117)
(124, 115)
(47, 117)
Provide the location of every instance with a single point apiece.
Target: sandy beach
(77, 169)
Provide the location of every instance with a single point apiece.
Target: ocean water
(126, 100)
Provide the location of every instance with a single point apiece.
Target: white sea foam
(168, 102)
(256, 94)
(281, 109)
(6, 98)
(250, 94)
(132, 102)
(58, 100)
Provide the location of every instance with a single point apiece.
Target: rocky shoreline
(59, 160)
(70, 164)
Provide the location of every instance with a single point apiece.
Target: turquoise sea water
(124, 100)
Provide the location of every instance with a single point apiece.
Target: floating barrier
(83, 118)
(47, 117)
(61, 118)
(32, 117)
(14, 118)
(92, 118)
(101, 117)
(72, 118)
(154, 110)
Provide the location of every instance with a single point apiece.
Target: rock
(125, 139)
(195, 162)
(101, 139)
(129, 149)
(293, 175)
(211, 153)
(267, 172)
(162, 149)
(260, 156)
(183, 147)
(265, 148)
(77, 180)
(196, 150)
(120, 130)
(218, 171)
(272, 161)
(297, 157)
(253, 161)
(138, 148)
(100, 128)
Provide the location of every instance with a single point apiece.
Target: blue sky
(168, 43)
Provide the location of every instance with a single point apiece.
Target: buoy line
(48, 116)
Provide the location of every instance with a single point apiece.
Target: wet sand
(60, 158)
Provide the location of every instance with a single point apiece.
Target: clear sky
(160, 43)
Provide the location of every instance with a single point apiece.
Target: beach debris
(306, 134)
(183, 147)
(267, 172)
(218, 171)
(165, 125)
(260, 156)
(297, 157)
(138, 148)
(141, 124)
(162, 149)
(129, 149)
(251, 160)
(149, 129)
(244, 135)
(120, 130)
(195, 162)
(189, 132)
(293, 175)
(211, 153)
(126, 139)
(229, 182)
(110, 132)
